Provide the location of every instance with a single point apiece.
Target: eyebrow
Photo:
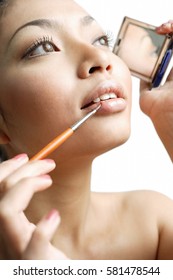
(51, 24)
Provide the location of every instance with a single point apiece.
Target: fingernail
(51, 161)
(163, 25)
(46, 177)
(20, 157)
(167, 24)
(52, 215)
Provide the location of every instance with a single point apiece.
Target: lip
(103, 88)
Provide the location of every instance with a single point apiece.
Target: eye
(104, 40)
(40, 47)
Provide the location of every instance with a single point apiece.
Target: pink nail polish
(51, 161)
(52, 215)
(20, 156)
(46, 176)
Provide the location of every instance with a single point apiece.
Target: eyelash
(108, 37)
(37, 43)
(46, 39)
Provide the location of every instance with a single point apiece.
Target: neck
(69, 194)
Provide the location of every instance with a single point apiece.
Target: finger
(39, 246)
(17, 198)
(48, 225)
(15, 227)
(165, 27)
(144, 87)
(9, 166)
(31, 169)
(14, 201)
(43, 251)
(147, 97)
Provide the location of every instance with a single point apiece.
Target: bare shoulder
(140, 200)
(162, 207)
(145, 215)
(147, 200)
(148, 204)
(141, 208)
(154, 203)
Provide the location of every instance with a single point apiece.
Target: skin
(157, 104)
(50, 90)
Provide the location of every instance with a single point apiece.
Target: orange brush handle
(54, 144)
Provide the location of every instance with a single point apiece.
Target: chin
(118, 141)
(112, 141)
(95, 143)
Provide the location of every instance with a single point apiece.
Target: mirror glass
(140, 48)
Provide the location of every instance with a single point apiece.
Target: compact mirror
(142, 49)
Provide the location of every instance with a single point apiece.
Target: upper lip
(103, 88)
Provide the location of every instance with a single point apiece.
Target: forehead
(26, 8)
(19, 12)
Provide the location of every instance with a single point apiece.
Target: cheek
(30, 95)
(123, 75)
(33, 103)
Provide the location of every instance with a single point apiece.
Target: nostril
(108, 68)
(93, 69)
(98, 68)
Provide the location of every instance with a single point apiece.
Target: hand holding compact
(158, 102)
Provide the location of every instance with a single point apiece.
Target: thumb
(38, 247)
(48, 225)
(147, 97)
(144, 87)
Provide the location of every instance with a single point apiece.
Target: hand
(19, 180)
(165, 28)
(158, 102)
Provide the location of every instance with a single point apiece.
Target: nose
(94, 60)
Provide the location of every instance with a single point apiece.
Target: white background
(141, 163)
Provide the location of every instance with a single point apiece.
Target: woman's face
(54, 62)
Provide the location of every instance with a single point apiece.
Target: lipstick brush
(60, 139)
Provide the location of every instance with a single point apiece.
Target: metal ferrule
(81, 121)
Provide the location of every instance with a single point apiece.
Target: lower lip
(109, 106)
